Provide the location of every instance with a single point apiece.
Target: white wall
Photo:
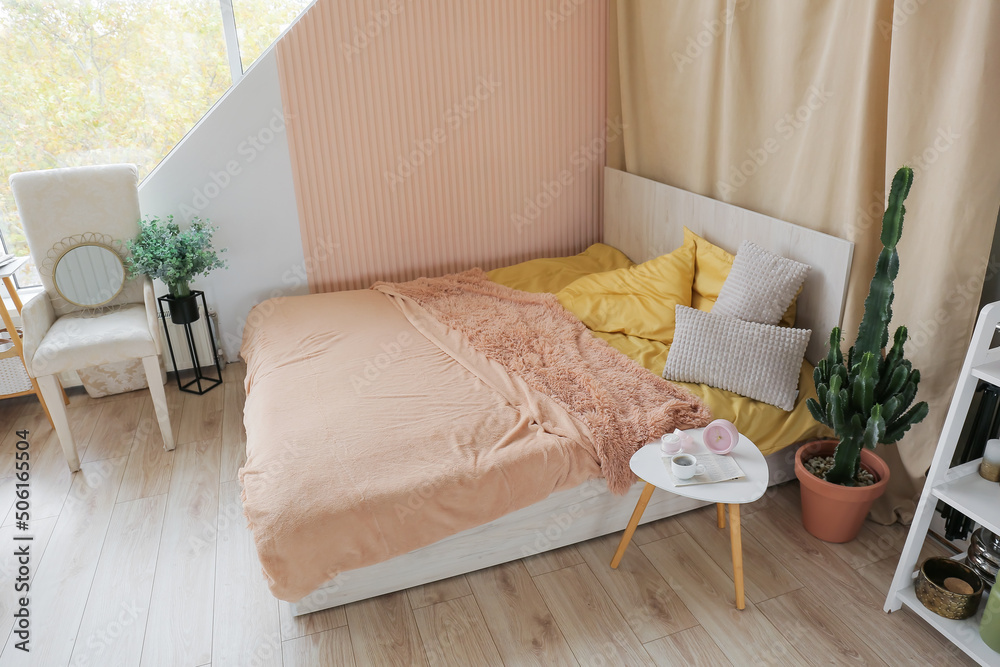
(234, 169)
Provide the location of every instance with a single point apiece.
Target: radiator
(203, 343)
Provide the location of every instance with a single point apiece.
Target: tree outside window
(104, 81)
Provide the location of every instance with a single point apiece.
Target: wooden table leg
(720, 512)
(9, 283)
(737, 545)
(640, 507)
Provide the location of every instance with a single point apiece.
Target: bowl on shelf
(949, 588)
(984, 555)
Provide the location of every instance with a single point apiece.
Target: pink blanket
(533, 337)
(375, 428)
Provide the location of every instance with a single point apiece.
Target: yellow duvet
(769, 427)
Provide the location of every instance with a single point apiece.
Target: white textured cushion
(759, 361)
(80, 339)
(760, 286)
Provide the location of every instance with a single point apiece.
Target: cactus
(867, 398)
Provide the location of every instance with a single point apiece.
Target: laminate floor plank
(114, 621)
(692, 647)
(438, 591)
(29, 405)
(234, 435)
(8, 487)
(522, 626)
(50, 475)
(246, 630)
(709, 594)
(454, 633)
(293, 626)
(202, 417)
(149, 464)
(656, 530)
(873, 543)
(330, 647)
(39, 429)
(179, 626)
(116, 428)
(166, 527)
(894, 637)
(40, 531)
(589, 620)
(65, 574)
(880, 573)
(764, 576)
(10, 409)
(384, 632)
(805, 621)
(651, 608)
(549, 561)
(235, 372)
(51, 478)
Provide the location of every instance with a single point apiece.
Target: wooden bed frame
(644, 219)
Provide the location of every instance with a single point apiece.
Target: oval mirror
(89, 275)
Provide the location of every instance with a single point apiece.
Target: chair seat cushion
(82, 339)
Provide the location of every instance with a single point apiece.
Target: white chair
(90, 313)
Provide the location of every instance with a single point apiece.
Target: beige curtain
(803, 111)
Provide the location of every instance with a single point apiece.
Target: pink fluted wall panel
(430, 136)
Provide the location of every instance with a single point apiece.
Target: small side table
(647, 463)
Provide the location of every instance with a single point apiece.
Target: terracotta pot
(832, 512)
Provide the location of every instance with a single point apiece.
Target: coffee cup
(685, 466)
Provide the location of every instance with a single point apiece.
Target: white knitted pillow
(760, 286)
(759, 361)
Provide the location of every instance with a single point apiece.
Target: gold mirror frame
(64, 247)
(121, 264)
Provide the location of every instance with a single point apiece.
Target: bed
(493, 469)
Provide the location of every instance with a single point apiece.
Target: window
(103, 81)
(260, 22)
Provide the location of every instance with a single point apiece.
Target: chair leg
(57, 412)
(41, 399)
(155, 381)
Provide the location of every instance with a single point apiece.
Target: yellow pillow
(639, 300)
(551, 274)
(712, 265)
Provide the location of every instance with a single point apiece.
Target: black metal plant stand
(205, 383)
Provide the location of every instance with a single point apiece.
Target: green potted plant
(163, 251)
(866, 399)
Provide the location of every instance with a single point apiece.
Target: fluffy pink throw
(534, 338)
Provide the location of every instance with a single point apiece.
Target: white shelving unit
(960, 487)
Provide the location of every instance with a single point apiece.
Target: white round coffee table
(648, 465)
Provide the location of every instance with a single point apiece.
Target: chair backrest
(56, 206)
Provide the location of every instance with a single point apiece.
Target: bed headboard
(645, 219)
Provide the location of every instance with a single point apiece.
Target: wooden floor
(143, 558)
